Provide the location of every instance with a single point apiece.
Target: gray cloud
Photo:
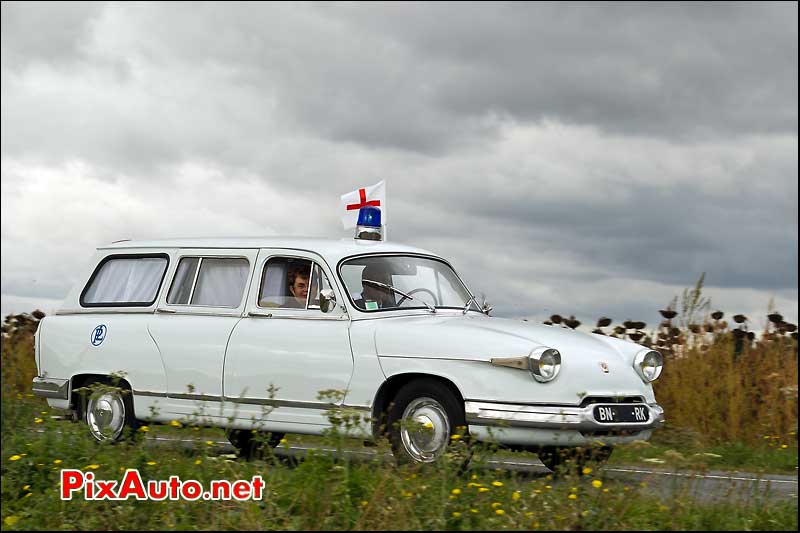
(553, 151)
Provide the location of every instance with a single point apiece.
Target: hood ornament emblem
(604, 367)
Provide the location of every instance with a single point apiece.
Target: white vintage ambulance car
(247, 332)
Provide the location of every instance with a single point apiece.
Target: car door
(193, 322)
(295, 349)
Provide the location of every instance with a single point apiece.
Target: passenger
(297, 278)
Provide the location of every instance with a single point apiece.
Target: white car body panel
(219, 362)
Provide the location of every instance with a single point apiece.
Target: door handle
(162, 310)
(261, 315)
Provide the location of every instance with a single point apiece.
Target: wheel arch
(388, 390)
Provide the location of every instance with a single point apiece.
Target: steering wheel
(411, 293)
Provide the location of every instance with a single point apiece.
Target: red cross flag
(351, 202)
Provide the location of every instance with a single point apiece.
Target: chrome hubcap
(425, 430)
(105, 415)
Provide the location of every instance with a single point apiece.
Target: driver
(372, 296)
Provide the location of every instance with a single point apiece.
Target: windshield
(422, 279)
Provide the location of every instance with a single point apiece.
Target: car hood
(478, 337)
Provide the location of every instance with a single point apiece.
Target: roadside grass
(324, 492)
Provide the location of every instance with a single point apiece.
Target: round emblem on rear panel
(604, 367)
(99, 335)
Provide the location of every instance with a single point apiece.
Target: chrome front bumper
(554, 417)
(51, 388)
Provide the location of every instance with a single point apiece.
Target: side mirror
(327, 300)
(485, 305)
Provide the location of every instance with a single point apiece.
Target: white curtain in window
(182, 283)
(275, 282)
(221, 282)
(127, 280)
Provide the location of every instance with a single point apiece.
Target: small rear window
(121, 281)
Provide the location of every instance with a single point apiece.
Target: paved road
(706, 486)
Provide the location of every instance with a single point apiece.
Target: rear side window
(125, 281)
(209, 281)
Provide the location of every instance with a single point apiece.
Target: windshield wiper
(398, 291)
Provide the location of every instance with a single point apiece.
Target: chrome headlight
(544, 364)
(648, 364)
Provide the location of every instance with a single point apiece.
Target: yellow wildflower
(210, 442)
(144, 429)
(455, 437)
(548, 487)
(597, 483)
(586, 471)
(456, 514)
(198, 461)
(483, 489)
(92, 467)
(29, 494)
(283, 441)
(663, 508)
(784, 446)
(456, 491)
(499, 512)
(364, 503)
(474, 476)
(473, 511)
(497, 483)
(26, 487)
(38, 421)
(57, 462)
(11, 520)
(605, 490)
(573, 497)
(15, 458)
(151, 463)
(516, 496)
(175, 424)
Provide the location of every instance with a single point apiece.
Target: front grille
(589, 400)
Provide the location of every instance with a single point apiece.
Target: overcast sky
(580, 159)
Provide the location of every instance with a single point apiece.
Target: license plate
(612, 414)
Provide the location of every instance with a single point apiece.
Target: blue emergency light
(369, 216)
(369, 226)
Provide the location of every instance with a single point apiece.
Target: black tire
(433, 401)
(107, 410)
(251, 445)
(562, 459)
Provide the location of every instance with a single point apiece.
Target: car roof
(331, 249)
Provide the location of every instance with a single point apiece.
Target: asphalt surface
(709, 486)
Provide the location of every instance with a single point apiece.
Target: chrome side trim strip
(149, 393)
(300, 405)
(253, 401)
(51, 388)
(553, 417)
(476, 360)
(201, 397)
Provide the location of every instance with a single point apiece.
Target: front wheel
(422, 419)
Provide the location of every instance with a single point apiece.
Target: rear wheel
(422, 419)
(108, 412)
(250, 444)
